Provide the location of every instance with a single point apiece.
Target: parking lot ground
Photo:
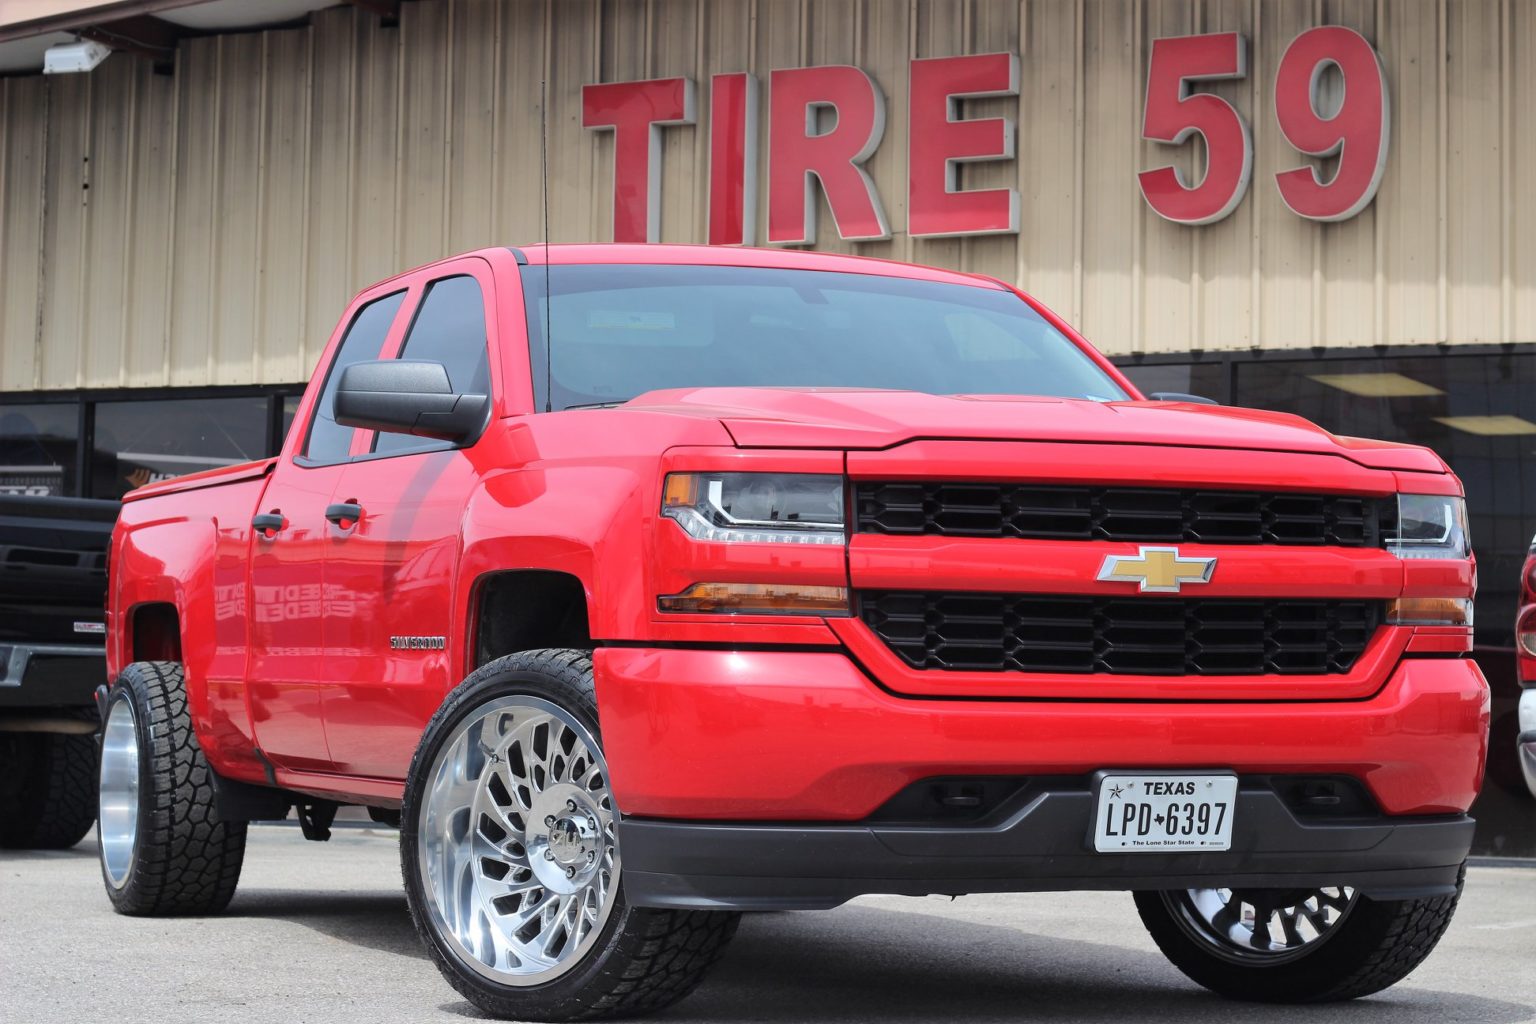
(320, 933)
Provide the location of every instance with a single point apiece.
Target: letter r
(798, 152)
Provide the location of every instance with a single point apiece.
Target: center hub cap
(565, 842)
(568, 840)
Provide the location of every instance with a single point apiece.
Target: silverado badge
(1157, 570)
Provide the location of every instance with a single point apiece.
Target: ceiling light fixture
(70, 58)
(1489, 426)
(1377, 385)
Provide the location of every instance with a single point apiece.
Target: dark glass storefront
(1476, 408)
(38, 448)
(134, 438)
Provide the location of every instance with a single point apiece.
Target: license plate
(1162, 813)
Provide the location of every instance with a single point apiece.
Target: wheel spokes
(1263, 925)
(518, 846)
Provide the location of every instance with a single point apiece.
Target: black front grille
(1125, 635)
(1052, 512)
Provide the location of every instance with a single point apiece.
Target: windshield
(620, 331)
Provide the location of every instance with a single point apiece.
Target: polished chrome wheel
(118, 819)
(1260, 926)
(516, 844)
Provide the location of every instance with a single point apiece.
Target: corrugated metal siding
(207, 228)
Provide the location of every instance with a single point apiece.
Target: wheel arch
(513, 610)
(153, 632)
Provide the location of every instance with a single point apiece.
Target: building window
(37, 449)
(140, 442)
(290, 411)
(1204, 379)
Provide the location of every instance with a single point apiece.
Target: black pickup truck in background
(53, 582)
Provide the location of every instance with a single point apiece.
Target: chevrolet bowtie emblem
(1158, 570)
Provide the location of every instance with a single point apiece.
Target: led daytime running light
(699, 528)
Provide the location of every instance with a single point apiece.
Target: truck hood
(869, 419)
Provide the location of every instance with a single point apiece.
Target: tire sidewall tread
(1379, 944)
(51, 804)
(185, 859)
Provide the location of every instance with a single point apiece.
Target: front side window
(449, 329)
(329, 441)
(620, 331)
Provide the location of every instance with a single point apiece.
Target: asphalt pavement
(320, 933)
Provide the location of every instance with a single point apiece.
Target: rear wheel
(47, 789)
(163, 848)
(1294, 945)
(511, 856)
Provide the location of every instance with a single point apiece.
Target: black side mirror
(1179, 396)
(400, 396)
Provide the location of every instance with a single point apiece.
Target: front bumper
(753, 779)
(1041, 846)
(719, 735)
(50, 675)
(1527, 739)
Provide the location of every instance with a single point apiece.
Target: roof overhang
(146, 28)
(20, 19)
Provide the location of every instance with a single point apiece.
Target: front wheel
(511, 856)
(1294, 945)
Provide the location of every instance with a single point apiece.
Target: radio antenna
(549, 343)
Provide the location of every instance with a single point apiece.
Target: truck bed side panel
(191, 550)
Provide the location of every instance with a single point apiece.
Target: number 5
(1173, 114)
(1357, 133)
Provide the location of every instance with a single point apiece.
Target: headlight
(1430, 526)
(761, 508)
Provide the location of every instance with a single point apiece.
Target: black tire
(47, 789)
(1378, 944)
(642, 960)
(184, 859)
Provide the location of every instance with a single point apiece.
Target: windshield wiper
(596, 405)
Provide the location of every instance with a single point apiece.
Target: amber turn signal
(680, 489)
(757, 599)
(1430, 611)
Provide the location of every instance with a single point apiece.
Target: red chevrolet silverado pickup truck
(646, 585)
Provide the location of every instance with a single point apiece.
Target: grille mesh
(1135, 636)
(1049, 512)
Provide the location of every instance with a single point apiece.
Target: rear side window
(450, 329)
(329, 441)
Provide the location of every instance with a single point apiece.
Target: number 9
(1358, 133)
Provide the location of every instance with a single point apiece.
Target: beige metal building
(275, 171)
(181, 225)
